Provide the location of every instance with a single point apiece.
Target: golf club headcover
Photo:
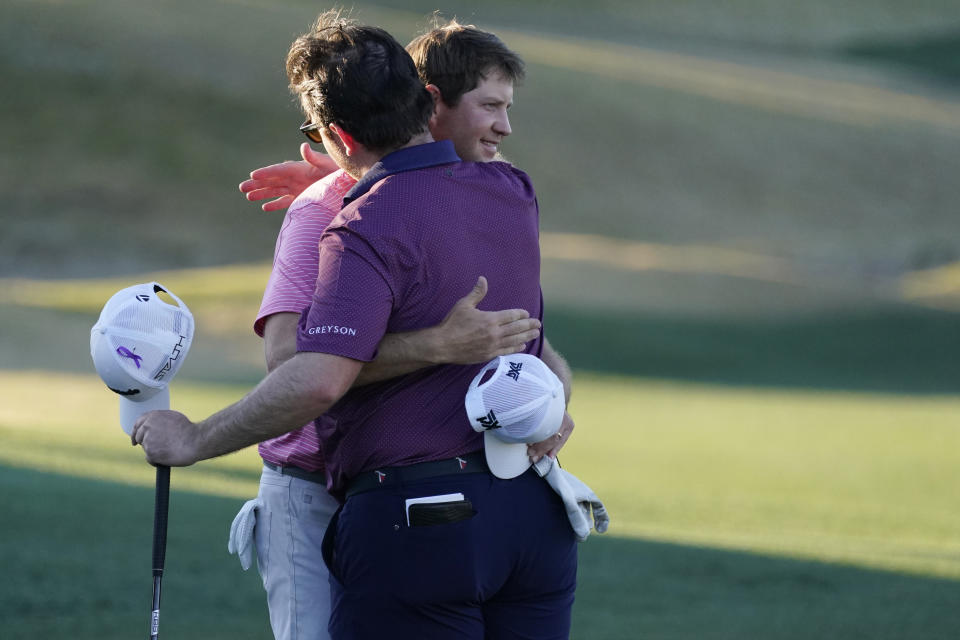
(241, 532)
(578, 498)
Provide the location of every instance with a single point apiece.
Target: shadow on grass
(937, 55)
(641, 589)
(77, 552)
(892, 349)
(899, 349)
(77, 555)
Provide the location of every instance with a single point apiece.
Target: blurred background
(751, 259)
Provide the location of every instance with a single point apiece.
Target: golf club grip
(161, 504)
(160, 508)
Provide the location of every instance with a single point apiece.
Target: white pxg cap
(138, 345)
(515, 400)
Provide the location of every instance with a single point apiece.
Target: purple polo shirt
(416, 233)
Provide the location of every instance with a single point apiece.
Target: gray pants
(291, 517)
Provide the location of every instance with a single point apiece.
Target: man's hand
(552, 445)
(286, 180)
(470, 336)
(167, 438)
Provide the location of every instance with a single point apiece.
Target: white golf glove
(578, 498)
(241, 532)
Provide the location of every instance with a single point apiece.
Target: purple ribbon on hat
(126, 353)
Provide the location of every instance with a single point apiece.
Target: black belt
(393, 476)
(296, 472)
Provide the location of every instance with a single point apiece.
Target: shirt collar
(420, 156)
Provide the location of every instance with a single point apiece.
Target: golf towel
(241, 532)
(578, 498)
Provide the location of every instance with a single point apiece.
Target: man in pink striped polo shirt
(293, 507)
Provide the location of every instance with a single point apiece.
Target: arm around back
(558, 364)
(465, 336)
(294, 393)
(551, 446)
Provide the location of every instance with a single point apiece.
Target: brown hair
(455, 57)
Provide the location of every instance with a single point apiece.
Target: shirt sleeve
(291, 284)
(352, 301)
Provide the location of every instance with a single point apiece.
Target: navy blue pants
(508, 572)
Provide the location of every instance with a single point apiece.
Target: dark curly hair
(360, 78)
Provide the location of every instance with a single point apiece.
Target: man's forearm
(298, 391)
(399, 354)
(466, 335)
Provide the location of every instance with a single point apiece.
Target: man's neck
(371, 158)
(424, 138)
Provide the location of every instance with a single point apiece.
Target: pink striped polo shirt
(290, 289)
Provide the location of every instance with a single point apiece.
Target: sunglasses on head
(312, 131)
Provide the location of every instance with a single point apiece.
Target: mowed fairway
(734, 512)
(750, 257)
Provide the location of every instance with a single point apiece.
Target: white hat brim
(130, 410)
(506, 459)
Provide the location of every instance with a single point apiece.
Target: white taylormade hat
(514, 400)
(138, 345)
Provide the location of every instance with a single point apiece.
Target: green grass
(935, 55)
(889, 348)
(842, 476)
(127, 143)
(774, 26)
(779, 449)
(735, 513)
(78, 550)
(792, 342)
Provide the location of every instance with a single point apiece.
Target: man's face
(479, 121)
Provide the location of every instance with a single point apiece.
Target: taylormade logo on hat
(138, 345)
(514, 400)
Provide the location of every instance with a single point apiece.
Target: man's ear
(435, 93)
(350, 145)
(437, 96)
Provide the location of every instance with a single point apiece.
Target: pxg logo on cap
(515, 400)
(138, 345)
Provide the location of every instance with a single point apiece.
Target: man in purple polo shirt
(470, 75)
(418, 225)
